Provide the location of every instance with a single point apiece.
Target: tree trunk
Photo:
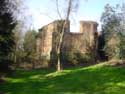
(59, 65)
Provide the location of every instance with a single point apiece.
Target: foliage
(84, 58)
(75, 58)
(113, 31)
(6, 35)
(30, 46)
(30, 41)
(122, 46)
(17, 54)
(69, 58)
(97, 79)
(101, 43)
(122, 33)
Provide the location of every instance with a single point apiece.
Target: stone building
(83, 41)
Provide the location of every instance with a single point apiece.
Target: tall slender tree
(71, 5)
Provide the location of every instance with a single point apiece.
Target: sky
(44, 12)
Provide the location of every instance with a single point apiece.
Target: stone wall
(48, 37)
(73, 42)
(44, 40)
(83, 40)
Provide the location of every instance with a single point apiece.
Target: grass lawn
(97, 79)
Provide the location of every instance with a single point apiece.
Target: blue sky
(44, 12)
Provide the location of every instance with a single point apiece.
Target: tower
(88, 26)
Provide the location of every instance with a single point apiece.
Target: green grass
(97, 79)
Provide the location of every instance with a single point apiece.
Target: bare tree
(71, 6)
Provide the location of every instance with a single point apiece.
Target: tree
(8, 20)
(18, 51)
(30, 46)
(113, 31)
(6, 35)
(122, 33)
(71, 5)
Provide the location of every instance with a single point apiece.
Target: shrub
(68, 57)
(74, 58)
(84, 58)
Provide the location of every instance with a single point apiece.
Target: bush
(68, 57)
(84, 58)
(73, 58)
(45, 60)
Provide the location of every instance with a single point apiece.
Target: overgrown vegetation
(75, 59)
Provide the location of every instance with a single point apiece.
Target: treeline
(12, 45)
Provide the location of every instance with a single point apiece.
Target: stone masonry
(48, 36)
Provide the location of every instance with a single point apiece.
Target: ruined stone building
(83, 41)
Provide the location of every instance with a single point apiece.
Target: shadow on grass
(100, 80)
